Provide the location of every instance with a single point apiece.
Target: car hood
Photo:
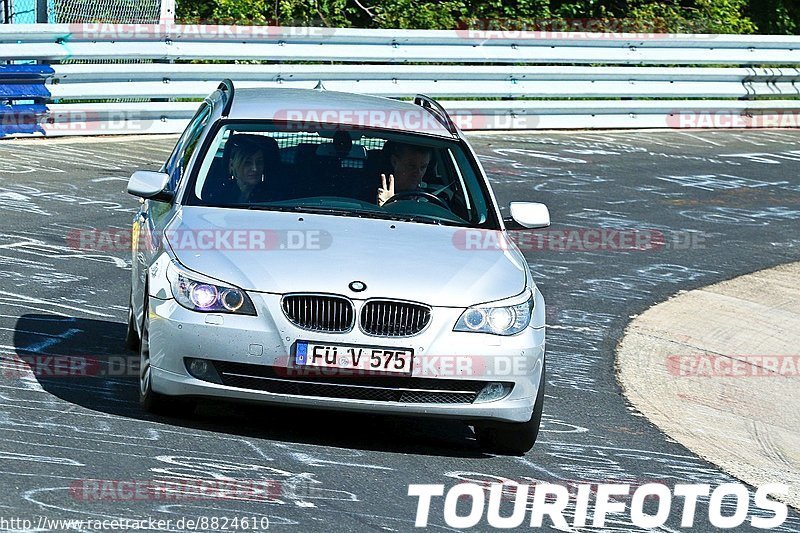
(280, 252)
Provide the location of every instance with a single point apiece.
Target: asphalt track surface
(735, 194)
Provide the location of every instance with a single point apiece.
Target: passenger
(408, 165)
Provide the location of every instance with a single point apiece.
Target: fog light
(198, 367)
(493, 391)
(202, 369)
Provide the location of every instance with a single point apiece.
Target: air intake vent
(318, 312)
(404, 389)
(390, 318)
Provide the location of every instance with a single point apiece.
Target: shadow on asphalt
(85, 362)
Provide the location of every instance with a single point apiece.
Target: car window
(338, 171)
(184, 148)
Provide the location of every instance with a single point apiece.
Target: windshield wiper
(379, 215)
(284, 208)
(424, 220)
(415, 218)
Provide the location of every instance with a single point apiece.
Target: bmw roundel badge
(357, 286)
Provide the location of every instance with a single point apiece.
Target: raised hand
(385, 191)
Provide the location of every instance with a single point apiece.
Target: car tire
(513, 438)
(132, 336)
(150, 400)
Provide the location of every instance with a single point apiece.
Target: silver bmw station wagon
(329, 250)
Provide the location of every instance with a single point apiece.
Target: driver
(409, 163)
(246, 179)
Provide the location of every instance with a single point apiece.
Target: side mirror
(151, 185)
(525, 215)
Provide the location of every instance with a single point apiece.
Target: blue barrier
(32, 73)
(23, 82)
(23, 91)
(25, 118)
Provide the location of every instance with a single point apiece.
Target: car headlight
(497, 319)
(198, 293)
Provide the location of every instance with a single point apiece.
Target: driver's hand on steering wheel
(385, 192)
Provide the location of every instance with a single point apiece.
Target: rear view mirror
(527, 215)
(147, 184)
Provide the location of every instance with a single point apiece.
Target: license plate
(363, 358)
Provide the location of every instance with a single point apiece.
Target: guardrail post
(41, 12)
(167, 12)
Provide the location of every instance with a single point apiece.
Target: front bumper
(268, 340)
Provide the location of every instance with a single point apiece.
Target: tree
(684, 16)
(695, 16)
(775, 16)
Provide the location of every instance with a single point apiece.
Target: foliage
(775, 16)
(702, 16)
(417, 14)
(674, 16)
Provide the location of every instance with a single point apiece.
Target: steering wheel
(421, 194)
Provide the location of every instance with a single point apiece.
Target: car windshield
(338, 171)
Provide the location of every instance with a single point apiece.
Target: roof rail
(226, 86)
(438, 111)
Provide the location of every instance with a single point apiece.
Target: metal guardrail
(195, 81)
(514, 70)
